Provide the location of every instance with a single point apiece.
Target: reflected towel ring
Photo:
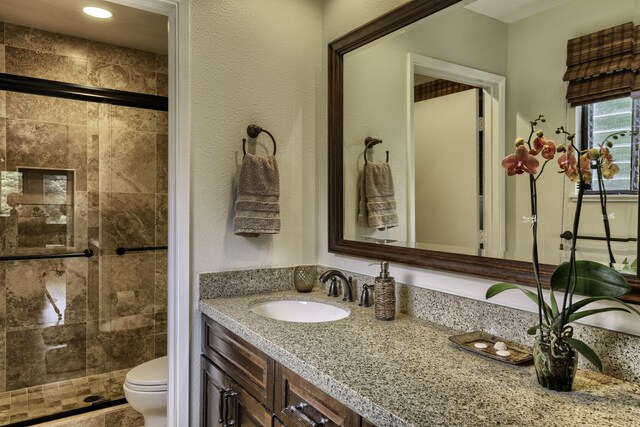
(370, 142)
(253, 131)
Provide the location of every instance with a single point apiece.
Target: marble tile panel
(162, 202)
(118, 55)
(162, 64)
(162, 84)
(160, 345)
(133, 163)
(3, 307)
(55, 353)
(161, 280)
(127, 220)
(80, 220)
(128, 285)
(3, 143)
(128, 418)
(93, 288)
(121, 77)
(120, 343)
(2, 32)
(130, 118)
(46, 109)
(76, 272)
(93, 199)
(44, 41)
(93, 163)
(48, 145)
(162, 163)
(162, 122)
(2, 58)
(26, 281)
(3, 365)
(45, 66)
(3, 105)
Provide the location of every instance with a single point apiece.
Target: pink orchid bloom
(520, 162)
(546, 146)
(568, 165)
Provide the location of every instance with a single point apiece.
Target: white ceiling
(510, 11)
(128, 27)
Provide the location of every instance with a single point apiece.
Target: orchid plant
(596, 281)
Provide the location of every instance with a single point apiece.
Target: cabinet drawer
(300, 404)
(244, 363)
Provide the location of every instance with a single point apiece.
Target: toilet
(145, 388)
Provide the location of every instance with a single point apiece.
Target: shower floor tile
(48, 399)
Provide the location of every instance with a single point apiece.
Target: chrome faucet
(346, 283)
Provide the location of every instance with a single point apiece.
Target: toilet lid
(151, 373)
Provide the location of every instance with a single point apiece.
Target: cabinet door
(300, 404)
(244, 409)
(213, 389)
(366, 423)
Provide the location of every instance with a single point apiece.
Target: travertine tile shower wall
(114, 307)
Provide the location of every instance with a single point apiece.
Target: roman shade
(603, 65)
(436, 88)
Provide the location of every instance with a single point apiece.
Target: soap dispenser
(385, 294)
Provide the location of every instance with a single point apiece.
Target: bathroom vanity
(361, 372)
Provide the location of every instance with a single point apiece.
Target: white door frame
(495, 195)
(178, 322)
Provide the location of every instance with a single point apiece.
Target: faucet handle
(333, 287)
(365, 296)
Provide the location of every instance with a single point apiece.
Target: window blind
(603, 65)
(437, 88)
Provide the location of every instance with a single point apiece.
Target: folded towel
(257, 204)
(376, 202)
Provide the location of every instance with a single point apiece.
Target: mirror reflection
(448, 95)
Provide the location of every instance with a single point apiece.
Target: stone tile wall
(113, 307)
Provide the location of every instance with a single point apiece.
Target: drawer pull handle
(229, 394)
(298, 412)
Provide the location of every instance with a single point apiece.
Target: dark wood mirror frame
(492, 268)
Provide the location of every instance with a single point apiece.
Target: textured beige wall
(252, 62)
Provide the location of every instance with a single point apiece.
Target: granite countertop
(407, 373)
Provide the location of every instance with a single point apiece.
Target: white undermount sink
(300, 311)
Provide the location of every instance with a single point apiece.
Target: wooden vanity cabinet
(242, 386)
(298, 403)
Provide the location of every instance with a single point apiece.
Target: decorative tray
(519, 353)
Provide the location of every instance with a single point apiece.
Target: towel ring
(253, 131)
(370, 142)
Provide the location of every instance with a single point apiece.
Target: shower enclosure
(83, 227)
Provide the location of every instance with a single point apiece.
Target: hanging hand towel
(377, 205)
(257, 204)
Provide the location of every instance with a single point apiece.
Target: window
(601, 119)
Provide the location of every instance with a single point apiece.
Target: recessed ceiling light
(97, 12)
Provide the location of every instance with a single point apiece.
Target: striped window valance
(603, 65)
(436, 88)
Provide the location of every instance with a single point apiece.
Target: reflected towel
(376, 201)
(257, 205)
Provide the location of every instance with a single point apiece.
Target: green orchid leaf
(583, 303)
(501, 287)
(533, 330)
(585, 350)
(579, 315)
(554, 304)
(594, 279)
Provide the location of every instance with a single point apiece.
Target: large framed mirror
(435, 92)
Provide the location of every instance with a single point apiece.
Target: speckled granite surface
(620, 353)
(245, 282)
(407, 373)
